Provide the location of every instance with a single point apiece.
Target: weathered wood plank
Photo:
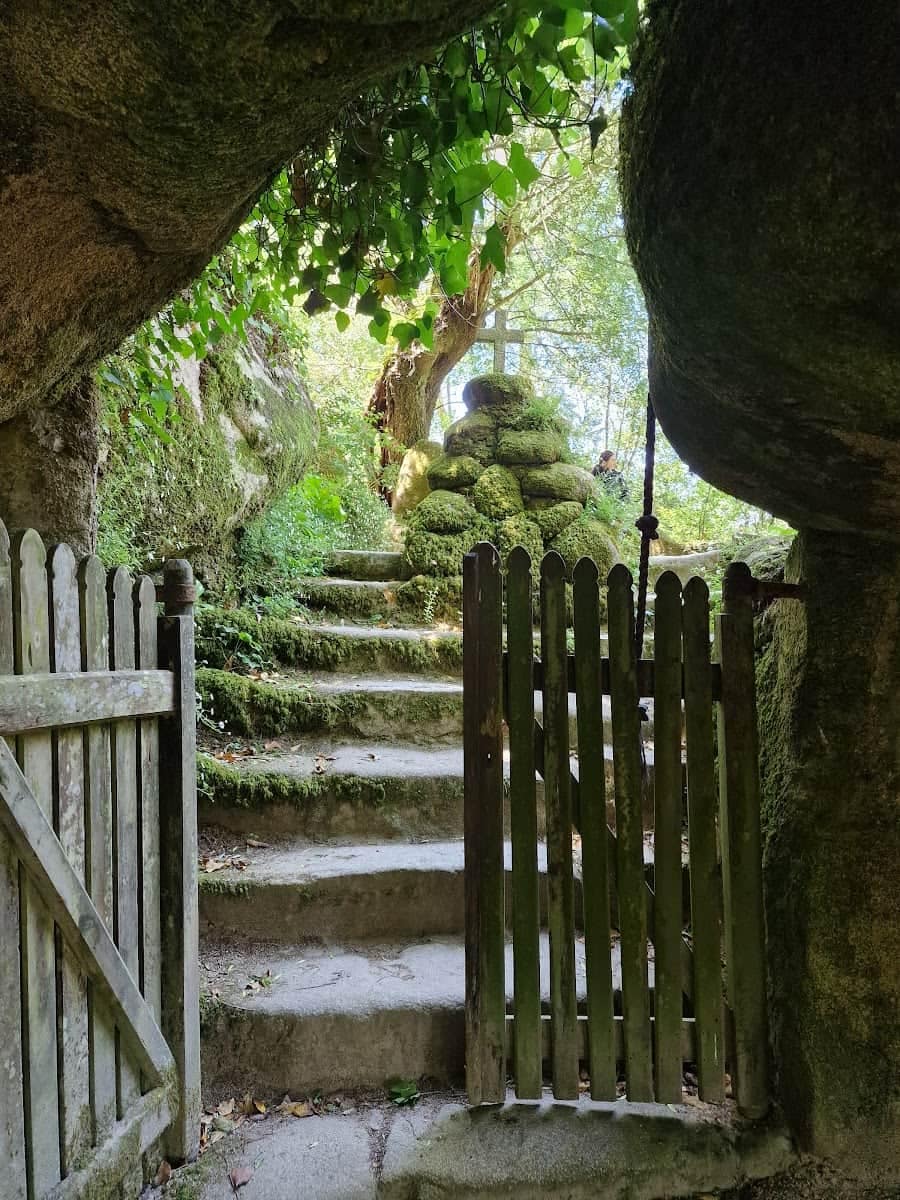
(523, 826)
(667, 838)
(69, 905)
(98, 840)
(178, 868)
(145, 622)
(706, 888)
(742, 844)
(126, 856)
(144, 1125)
(72, 1024)
(484, 869)
(626, 732)
(558, 810)
(594, 830)
(646, 675)
(12, 1123)
(32, 656)
(72, 699)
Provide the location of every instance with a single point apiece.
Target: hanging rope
(648, 525)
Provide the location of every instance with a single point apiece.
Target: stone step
(292, 891)
(343, 1016)
(368, 706)
(388, 890)
(368, 564)
(350, 791)
(401, 602)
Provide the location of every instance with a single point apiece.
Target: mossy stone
(442, 553)
(444, 512)
(528, 447)
(474, 436)
(412, 480)
(453, 472)
(502, 394)
(585, 538)
(430, 598)
(554, 519)
(497, 493)
(561, 481)
(520, 530)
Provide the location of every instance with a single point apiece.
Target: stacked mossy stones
(504, 477)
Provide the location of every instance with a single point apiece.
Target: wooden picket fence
(693, 1013)
(99, 1001)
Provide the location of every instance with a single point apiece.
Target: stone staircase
(332, 946)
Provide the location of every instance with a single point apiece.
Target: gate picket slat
(72, 1031)
(706, 893)
(148, 758)
(32, 655)
(98, 840)
(558, 809)
(629, 836)
(523, 826)
(594, 831)
(126, 821)
(484, 866)
(12, 1125)
(668, 1003)
(741, 835)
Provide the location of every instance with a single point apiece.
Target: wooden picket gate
(691, 1014)
(99, 1001)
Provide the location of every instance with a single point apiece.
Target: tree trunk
(405, 395)
(49, 482)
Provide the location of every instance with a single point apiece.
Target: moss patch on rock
(504, 395)
(553, 518)
(528, 447)
(442, 553)
(497, 493)
(453, 473)
(520, 530)
(558, 481)
(428, 598)
(473, 436)
(444, 512)
(585, 538)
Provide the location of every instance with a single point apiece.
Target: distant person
(610, 478)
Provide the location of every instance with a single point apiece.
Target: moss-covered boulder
(585, 538)
(497, 493)
(557, 481)
(444, 512)
(412, 480)
(247, 430)
(441, 553)
(473, 436)
(519, 530)
(528, 447)
(554, 519)
(453, 473)
(504, 395)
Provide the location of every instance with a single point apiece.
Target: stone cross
(501, 337)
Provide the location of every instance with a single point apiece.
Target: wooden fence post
(742, 843)
(178, 878)
(484, 868)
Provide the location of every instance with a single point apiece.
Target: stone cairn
(504, 476)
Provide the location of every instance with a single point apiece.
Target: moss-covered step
(411, 601)
(382, 706)
(342, 791)
(367, 564)
(229, 636)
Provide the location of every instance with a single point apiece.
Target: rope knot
(648, 525)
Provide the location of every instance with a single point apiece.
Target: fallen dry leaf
(256, 844)
(226, 1108)
(239, 1176)
(291, 1108)
(210, 863)
(163, 1175)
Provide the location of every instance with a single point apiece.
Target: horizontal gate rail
(30, 703)
(693, 1012)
